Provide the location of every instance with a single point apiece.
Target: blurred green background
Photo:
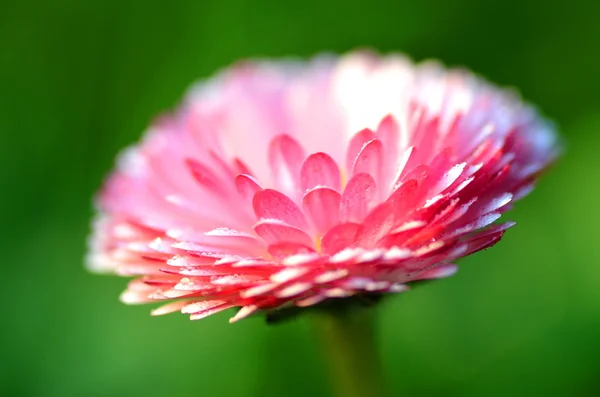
(81, 79)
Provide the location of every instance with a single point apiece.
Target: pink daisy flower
(279, 184)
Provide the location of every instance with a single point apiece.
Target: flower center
(343, 179)
(318, 243)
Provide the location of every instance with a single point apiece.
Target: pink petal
(274, 231)
(356, 144)
(222, 239)
(376, 225)
(199, 271)
(419, 173)
(222, 167)
(198, 315)
(478, 223)
(320, 169)
(271, 204)
(523, 191)
(388, 132)
(440, 271)
(495, 203)
(449, 177)
(481, 243)
(284, 249)
(311, 300)
(293, 290)
(247, 186)
(357, 198)
(206, 177)
(405, 164)
(285, 157)
(340, 237)
(322, 206)
(400, 238)
(494, 229)
(426, 136)
(241, 167)
(370, 160)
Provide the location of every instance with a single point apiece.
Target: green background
(81, 79)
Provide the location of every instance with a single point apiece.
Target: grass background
(81, 79)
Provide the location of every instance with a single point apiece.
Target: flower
(280, 184)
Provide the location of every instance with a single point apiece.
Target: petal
(449, 177)
(320, 169)
(311, 300)
(480, 243)
(222, 240)
(370, 160)
(271, 204)
(247, 186)
(388, 132)
(404, 165)
(169, 308)
(210, 310)
(439, 271)
(322, 206)
(206, 177)
(284, 249)
(241, 167)
(494, 229)
(376, 225)
(495, 203)
(293, 290)
(340, 237)
(275, 231)
(402, 234)
(356, 144)
(404, 199)
(285, 157)
(243, 313)
(478, 223)
(357, 198)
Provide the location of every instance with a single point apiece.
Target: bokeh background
(79, 80)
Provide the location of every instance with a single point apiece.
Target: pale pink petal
(440, 271)
(169, 308)
(244, 312)
(405, 164)
(388, 133)
(286, 157)
(210, 311)
(206, 177)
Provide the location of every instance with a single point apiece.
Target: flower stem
(348, 338)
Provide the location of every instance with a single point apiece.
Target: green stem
(348, 338)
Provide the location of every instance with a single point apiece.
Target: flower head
(280, 183)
